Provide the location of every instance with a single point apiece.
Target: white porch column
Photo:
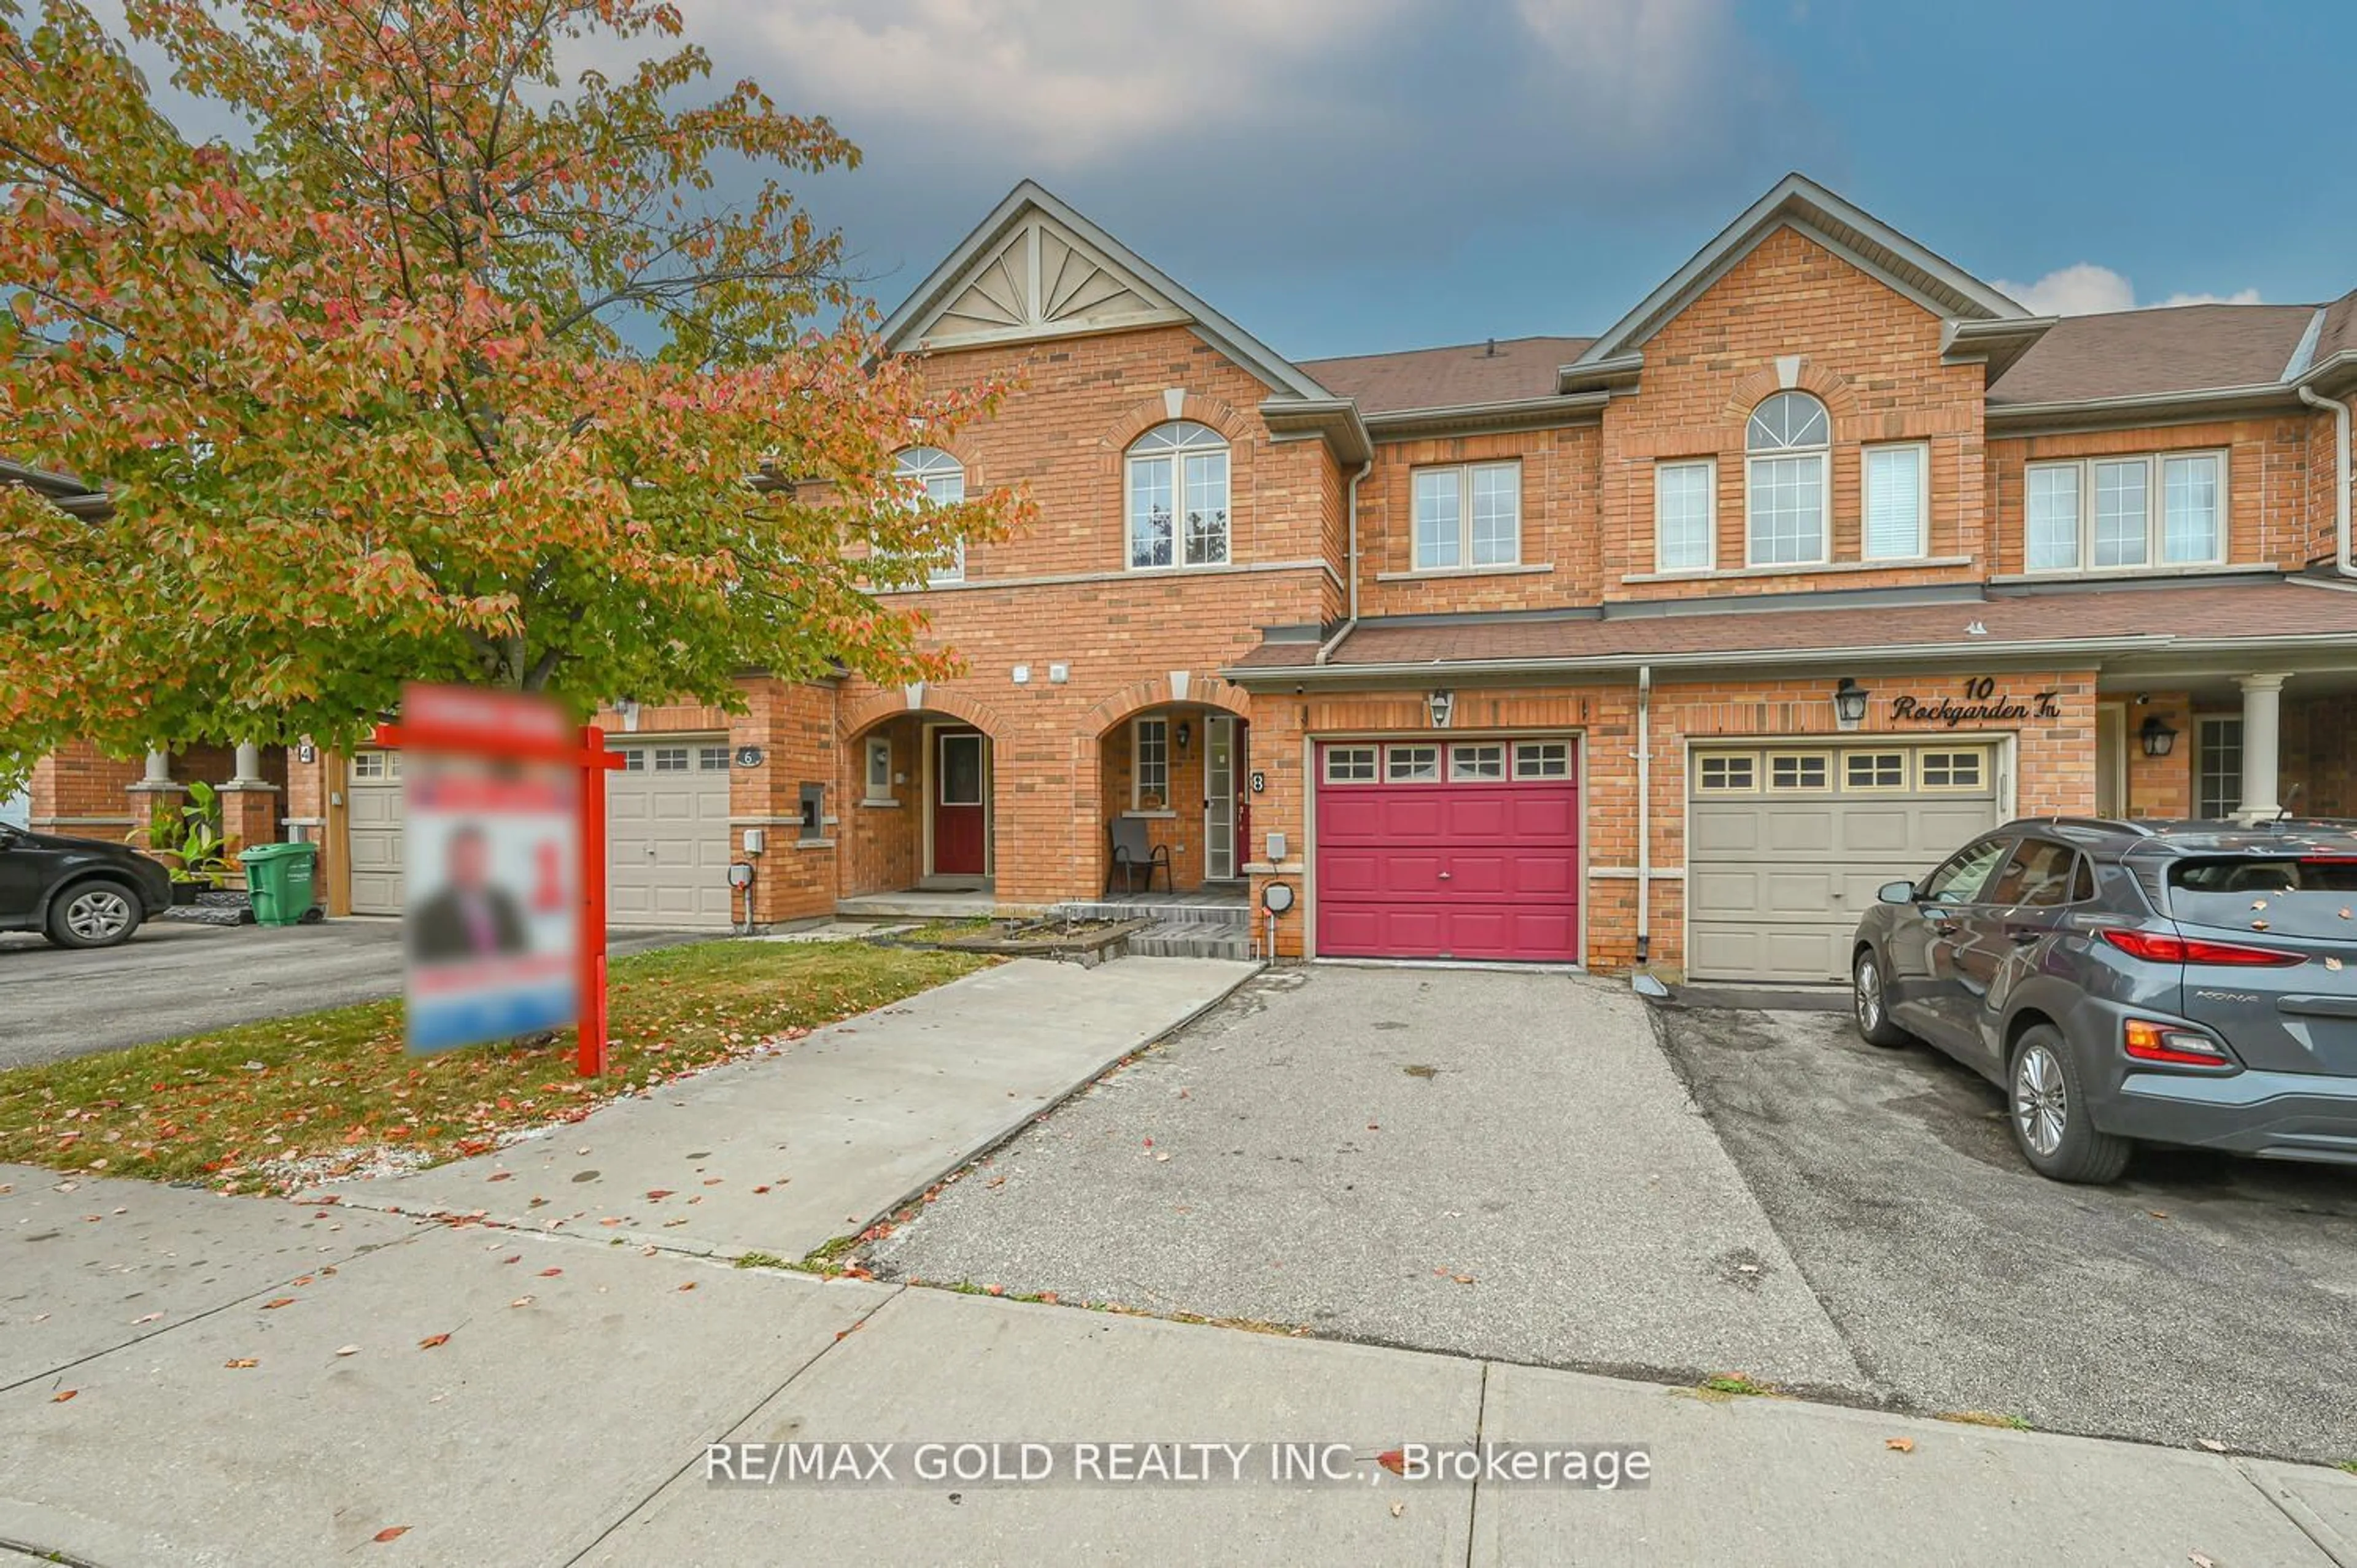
(249, 764)
(159, 767)
(2262, 745)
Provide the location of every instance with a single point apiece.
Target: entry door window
(2219, 785)
(961, 770)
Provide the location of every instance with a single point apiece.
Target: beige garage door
(667, 852)
(1786, 846)
(372, 815)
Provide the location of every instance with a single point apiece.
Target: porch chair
(1131, 855)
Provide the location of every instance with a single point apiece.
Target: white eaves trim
(1031, 196)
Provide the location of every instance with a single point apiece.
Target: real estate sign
(492, 848)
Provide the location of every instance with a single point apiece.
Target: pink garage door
(1448, 849)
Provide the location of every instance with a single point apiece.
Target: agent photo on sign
(472, 916)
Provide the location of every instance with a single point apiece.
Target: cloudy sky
(1351, 174)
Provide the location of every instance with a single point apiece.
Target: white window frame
(939, 479)
(1799, 760)
(1373, 756)
(1415, 772)
(1138, 760)
(1903, 785)
(1465, 473)
(1709, 561)
(1537, 759)
(1471, 760)
(2156, 502)
(1923, 450)
(2210, 744)
(1820, 453)
(1947, 760)
(1173, 445)
(1754, 774)
(879, 780)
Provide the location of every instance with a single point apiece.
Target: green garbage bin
(278, 881)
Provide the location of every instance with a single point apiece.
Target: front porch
(2227, 745)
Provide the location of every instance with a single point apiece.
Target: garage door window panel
(1799, 770)
(1543, 759)
(1412, 764)
(1874, 772)
(1962, 770)
(1728, 773)
(1477, 764)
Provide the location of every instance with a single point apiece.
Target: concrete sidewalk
(491, 1396)
(780, 1153)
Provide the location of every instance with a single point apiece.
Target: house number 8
(1260, 781)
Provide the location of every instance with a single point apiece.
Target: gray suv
(2168, 982)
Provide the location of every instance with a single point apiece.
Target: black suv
(2162, 982)
(79, 893)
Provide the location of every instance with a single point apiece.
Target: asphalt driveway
(1574, 1182)
(1491, 1164)
(2201, 1298)
(172, 979)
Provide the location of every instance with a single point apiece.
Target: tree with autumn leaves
(450, 364)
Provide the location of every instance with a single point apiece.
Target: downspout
(1644, 815)
(2341, 557)
(1326, 648)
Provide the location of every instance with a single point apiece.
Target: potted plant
(188, 840)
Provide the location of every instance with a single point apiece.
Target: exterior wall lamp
(1441, 705)
(1183, 733)
(1849, 703)
(2159, 739)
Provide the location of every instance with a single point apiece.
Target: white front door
(1220, 799)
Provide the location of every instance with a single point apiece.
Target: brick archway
(1828, 386)
(931, 699)
(1158, 691)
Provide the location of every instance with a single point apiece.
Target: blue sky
(1344, 175)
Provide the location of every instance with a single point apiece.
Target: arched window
(1786, 485)
(1178, 497)
(939, 479)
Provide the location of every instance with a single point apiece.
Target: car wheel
(2047, 1111)
(1869, 996)
(93, 914)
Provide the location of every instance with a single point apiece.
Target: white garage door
(667, 834)
(667, 850)
(372, 816)
(1786, 846)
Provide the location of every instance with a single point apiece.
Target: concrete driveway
(2202, 1297)
(1490, 1164)
(171, 979)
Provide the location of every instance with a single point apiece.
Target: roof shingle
(2169, 349)
(1506, 369)
(2225, 611)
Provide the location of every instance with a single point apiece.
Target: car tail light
(2149, 1042)
(2162, 947)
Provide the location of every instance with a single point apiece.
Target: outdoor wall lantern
(1441, 705)
(1849, 703)
(2158, 737)
(1185, 733)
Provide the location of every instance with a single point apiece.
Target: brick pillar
(155, 790)
(249, 803)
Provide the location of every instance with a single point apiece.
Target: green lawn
(333, 1089)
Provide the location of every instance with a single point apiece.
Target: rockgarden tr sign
(1983, 704)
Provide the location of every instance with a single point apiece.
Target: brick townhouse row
(1665, 646)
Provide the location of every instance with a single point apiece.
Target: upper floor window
(1686, 525)
(1898, 503)
(1790, 443)
(1468, 515)
(939, 479)
(1178, 497)
(2126, 513)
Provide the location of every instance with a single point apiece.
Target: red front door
(961, 796)
(1448, 849)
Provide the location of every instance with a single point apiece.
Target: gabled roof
(1799, 203)
(1037, 269)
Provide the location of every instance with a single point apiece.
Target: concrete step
(1238, 916)
(1192, 939)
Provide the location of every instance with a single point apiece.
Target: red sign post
(497, 728)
